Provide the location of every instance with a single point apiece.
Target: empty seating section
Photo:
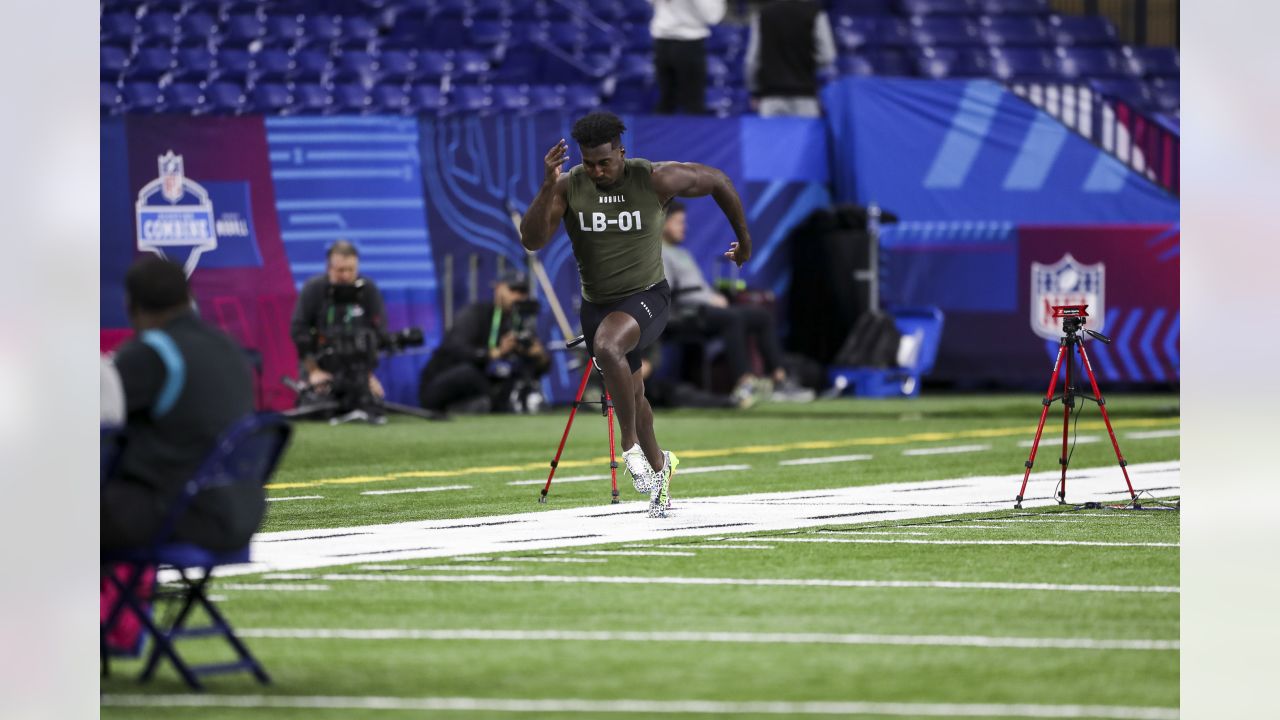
(444, 56)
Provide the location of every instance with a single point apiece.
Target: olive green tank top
(616, 233)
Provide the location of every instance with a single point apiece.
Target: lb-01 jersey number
(600, 222)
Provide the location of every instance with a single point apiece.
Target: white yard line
(703, 546)
(273, 587)
(914, 452)
(750, 582)
(1047, 441)
(1152, 434)
(645, 707)
(465, 568)
(416, 490)
(624, 553)
(547, 528)
(912, 541)
(824, 460)
(764, 638)
(295, 497)
(585, 478)
(552, 559)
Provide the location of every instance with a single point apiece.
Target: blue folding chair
(246, 453)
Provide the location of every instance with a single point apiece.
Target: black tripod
(1073, 320)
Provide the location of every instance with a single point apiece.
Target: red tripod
(1073, 320)
(606, 409)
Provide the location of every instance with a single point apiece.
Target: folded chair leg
(221, 622)
(164, 643)
(123, 590)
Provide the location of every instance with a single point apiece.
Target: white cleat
(660, 493)
(643, 478)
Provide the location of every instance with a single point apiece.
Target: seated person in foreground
(184, 383)
(692, 297)
(490, 359)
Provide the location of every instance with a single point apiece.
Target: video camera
(524, 323)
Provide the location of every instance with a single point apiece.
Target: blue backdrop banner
(971, 150)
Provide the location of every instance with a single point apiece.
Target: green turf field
(1038, 613)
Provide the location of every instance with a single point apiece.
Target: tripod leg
(613, 458)
(1068, 406)
(1044, 413)
(582, 387)
(1102, 405)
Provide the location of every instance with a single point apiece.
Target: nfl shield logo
(1066, 282)
(171, 177)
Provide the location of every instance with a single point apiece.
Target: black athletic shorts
(649, 308)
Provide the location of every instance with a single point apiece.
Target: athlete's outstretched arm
(676, 179)
(543, 216)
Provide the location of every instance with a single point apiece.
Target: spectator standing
(680, 29)
(789, 41)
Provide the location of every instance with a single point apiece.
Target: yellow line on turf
(721, 452)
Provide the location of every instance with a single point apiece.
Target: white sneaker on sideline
(660, 494)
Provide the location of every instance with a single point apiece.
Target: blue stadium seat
(311, 65)
(357, 28)
(638, 11)
(158, 26)
(717, 70)
(427, 98)
(610, 11)
(545, 97)
(859, 7)
(1024, 63)
(1166, 94)
(469, 64)
(356, 66)
(1087, 30)
(727, 40)
(1075, 63)
(432, 65)
(391, 99)
(634, 98)
(142, 96)
(285, 28)
(270, 98)
(1133, 91)
(890, 61)
(110, 99)
(112, 61)
(471, 98)
(321, 29)
(581, 98)
(351, 98)
(183, 97)
(228, 8)
(487, 33)
(310, 99)
(117, 27)
(198, 25)
(396, 66)
(637, 37)
(556, 12)
(566, 36)
(890, 32)
(939, 7)
(635, 67)
(526, 33)
(940, 63)
(446, 34)
(944, 31)
(234, 64)
(488, 10)
(854, 65)
(510, 97)
(1017, 30)
(272, 65)
(1154, 62)
(521, 66)
(241, 30)
(448, 9)
(194, 64)
(725, 102)
(524, 11)
(224, 97)
(1014, 7)
(151, 63)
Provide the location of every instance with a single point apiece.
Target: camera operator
(491, 358)
(337, 302)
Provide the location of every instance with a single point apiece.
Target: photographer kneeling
(491, 358)
(339, 308)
